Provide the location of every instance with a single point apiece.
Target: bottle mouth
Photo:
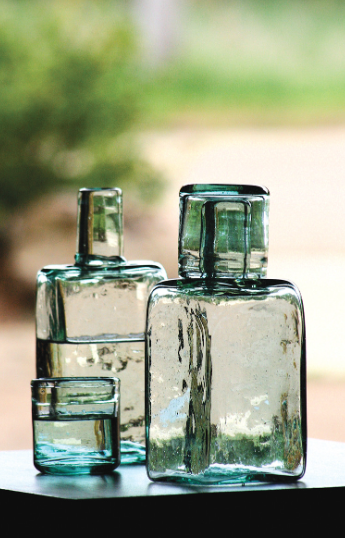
(100, 223)
(219, 189)
(107, 191)
(223, 231)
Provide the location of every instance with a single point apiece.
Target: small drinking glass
(76, 424)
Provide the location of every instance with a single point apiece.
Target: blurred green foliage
(73, 87)
(252, 61)
(69, 100)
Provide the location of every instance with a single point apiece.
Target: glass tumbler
(76, 424)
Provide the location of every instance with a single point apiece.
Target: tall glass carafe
(90, 316)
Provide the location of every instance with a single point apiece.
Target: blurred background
(149, 95)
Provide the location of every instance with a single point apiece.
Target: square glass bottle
(90, 316)
(225, 350)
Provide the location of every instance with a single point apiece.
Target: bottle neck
(223, 234)
(100, 227)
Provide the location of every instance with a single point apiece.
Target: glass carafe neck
(223, 231)
(100, 227)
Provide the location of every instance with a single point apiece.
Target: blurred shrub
(69, 98)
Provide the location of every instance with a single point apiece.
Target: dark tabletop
(325, 469)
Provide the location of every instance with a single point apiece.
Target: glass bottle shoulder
(124, 270)
(226, 288)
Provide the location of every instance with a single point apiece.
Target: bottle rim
(223, 189)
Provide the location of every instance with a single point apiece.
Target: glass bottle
(90, 316)
(225, 347)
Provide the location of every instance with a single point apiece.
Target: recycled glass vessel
(225, 347)
(76, 425)
(90, 316)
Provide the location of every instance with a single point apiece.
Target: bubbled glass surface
(225, 373)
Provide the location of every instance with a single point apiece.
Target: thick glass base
(224, 474)
(132, 452)
(76, 446)
(76, 466)
(234, 461)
